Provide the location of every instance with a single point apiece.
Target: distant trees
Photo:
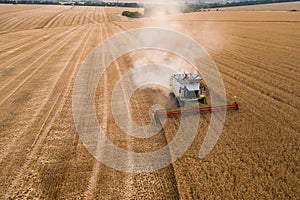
(199, 7)
(132, 14)
(72, 2)
(28, 2)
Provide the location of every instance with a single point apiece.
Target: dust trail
(167, 14)
(160, 64)
(157, 13)
(162, 8)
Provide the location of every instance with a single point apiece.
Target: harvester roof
(187, 77)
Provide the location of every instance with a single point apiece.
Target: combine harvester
(188, 88)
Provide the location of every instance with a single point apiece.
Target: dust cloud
(160, 66)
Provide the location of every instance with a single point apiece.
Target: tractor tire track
(8, 148)
(90, 193)
(131, 179)
(24, 44)
(50, 118)
(62, 44)
(171, 170)
(52, 20)
(23, 40)
(12, 89)
(26, 55)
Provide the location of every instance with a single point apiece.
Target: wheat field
(42, 157)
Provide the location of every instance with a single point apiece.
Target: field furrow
(9, 89)
(42, 156)
(66, 74)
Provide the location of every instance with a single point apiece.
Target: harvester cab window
(196, 93)
(182, 91)
(190, 94)
(185, 92)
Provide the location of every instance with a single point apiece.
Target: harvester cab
(187, 87)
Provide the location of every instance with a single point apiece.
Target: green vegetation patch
(132, 14)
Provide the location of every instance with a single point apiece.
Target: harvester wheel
(172, 96)
(179, 103)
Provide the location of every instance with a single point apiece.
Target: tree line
(78, 3)
(198, 6)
